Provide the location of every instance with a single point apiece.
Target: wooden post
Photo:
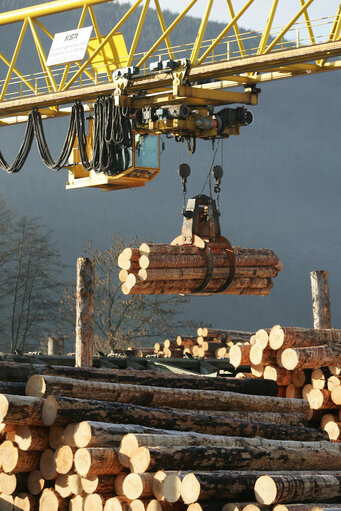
(55, 346)
(320, 299)
(84, 312)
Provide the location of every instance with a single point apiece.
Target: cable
(42, 144)
(23, 152)
(210, 171)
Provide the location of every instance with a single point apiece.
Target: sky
(256, 15)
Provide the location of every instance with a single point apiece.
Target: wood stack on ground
(208, 343)
(139, 447)
(306, 363)
(173, 269)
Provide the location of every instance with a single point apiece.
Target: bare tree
(34, 287)
(122, 321)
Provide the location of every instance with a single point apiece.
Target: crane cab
(141, 164)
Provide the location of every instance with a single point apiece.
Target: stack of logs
(305, 363)
(157, 442)
(208, 343)
(173, 269)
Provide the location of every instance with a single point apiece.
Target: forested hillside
(280, 188)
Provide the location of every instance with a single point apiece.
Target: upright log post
(320, 299)
(55, 346)
(84, 312)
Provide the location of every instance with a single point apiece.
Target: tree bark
(31, 438)
(66, 410)
(320, 299)
(296, 487)
(40, 386)
(238, 458)
(84, 312)
(22, 410)
(98, 484)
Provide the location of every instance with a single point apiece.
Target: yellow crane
(119, 100)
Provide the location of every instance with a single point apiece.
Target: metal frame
(273, 57)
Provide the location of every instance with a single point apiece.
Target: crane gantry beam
(233, 58)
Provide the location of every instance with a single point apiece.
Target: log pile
(305, 363)
(208, 343)
(197, 444)
(173, 269)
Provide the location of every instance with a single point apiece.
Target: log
(297, 487)
(332, 382)
(238, 458)
(25, 502)
(292, 391)
(200, 273)
(84, 312)
(232, 485)
(298, 377)
(190, 256)
(320, 299)
(318, 379)
(138, 485)
(305, 507)
(56, 436)
(262, 337)
(51, 501)
(103, 434)
(75, 482)
(12, 387)
(131, 442)
(294, 337)
(278, 374)
(240, 355)
(35, 482)
(98, 484)
(308, 357)
(318, 399)
(97, 461)
(76, 503)
(64, 459)
(22, 410)
(62, 486)
(11, 461)
(67, 410)
(30, 438)
(48, 465)
(335, 395)
(10, 370)
(10, 483)
(265, 356)
(157, 396)
(94, 501)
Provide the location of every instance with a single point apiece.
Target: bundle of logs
(173, 269)
(157, 442)
(305, 363)
(208, 343)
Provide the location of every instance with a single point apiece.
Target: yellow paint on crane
(115, 50)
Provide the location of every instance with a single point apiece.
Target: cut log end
(35, 386)
(265, 490)
(276, 337)
(139, 461)
(50, 411)
(190, 489)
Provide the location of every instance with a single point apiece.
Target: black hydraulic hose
(42, 144)
(23, 151)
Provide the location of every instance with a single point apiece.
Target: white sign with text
(69, 46)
